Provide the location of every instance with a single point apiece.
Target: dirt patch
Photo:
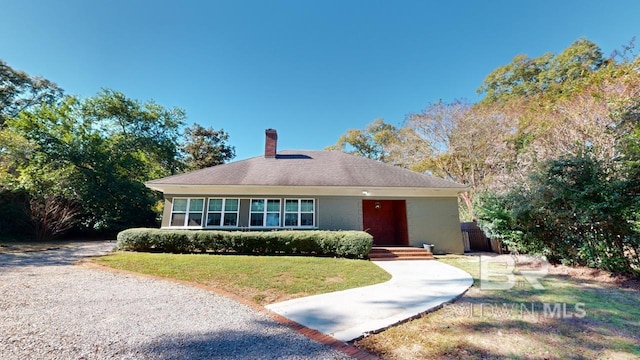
(286, 279)
(261, 297)
(335, 279)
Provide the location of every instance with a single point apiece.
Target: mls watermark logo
(499, 272)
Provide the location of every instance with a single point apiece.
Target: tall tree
(98, 152)
(462, 150)
(19, 91)
(573, 209)
(384, 142)
(549, 73)
(205, 147)
(371, 142)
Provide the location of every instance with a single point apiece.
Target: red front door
(386, 221)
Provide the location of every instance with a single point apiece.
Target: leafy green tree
(205, 147)
(384, 142)
(19, 91)
(628, 132)
(549, 73)
(373, 142)
(569, 101)
(574, 210)
(98, 152)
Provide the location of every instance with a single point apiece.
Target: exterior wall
(435, 221)
(166, 212)
(339, 213)
(431, 220)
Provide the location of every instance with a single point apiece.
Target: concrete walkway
(416, 287)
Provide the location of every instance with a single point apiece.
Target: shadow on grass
(565, 338)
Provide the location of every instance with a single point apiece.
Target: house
(326, 190)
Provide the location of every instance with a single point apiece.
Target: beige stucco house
(326, 190)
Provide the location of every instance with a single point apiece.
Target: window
(222, 212)
(265, 212)
(218, 212)
(299, 212)
(187, 212)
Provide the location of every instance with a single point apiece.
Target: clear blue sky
(310, 69)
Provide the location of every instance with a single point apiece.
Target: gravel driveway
(53, 309)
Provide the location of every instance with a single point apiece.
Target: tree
(628, 144)
(384, 142)
(465, 142)
(570, 101)
(52, 216)
(206, 147)
(558, 74)
(373, 142)
(574, 210)
(97, 152)
(19, 91)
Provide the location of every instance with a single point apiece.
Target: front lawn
(489, 324)
(262, 279)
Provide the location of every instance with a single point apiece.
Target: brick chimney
(271, 143)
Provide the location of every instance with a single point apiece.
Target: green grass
(263, 279)
(477, 326)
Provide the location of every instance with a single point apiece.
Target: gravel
(53, 309)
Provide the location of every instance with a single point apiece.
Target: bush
(349, 244)
(574, 210)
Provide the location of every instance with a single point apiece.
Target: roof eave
(361, 191)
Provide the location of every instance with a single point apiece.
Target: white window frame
(265, 213)
(186, 212)
(222, 212)
(299, 213)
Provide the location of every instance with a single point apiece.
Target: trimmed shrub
(349, 244)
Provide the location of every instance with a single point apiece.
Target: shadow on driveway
(62, 256)
(265, 341)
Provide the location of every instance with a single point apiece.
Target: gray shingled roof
(308, 168)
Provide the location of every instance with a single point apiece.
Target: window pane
(213, 219)
(291, 206)
(177, 219)
(231, 205)
(306, 205)
(273, 205)
(196, 204)
(257, 205)
(291, 219)
(179, 204)
(273, 219)
(195, 219)
(215, 204)
(230, 219)
(306, 219)
(256, 219)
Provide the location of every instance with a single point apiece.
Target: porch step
(399, 253)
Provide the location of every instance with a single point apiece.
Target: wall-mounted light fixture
(377, 205)
(365, 193)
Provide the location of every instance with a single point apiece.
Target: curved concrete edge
(416, 287)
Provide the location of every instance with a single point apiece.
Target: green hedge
(350, 244)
